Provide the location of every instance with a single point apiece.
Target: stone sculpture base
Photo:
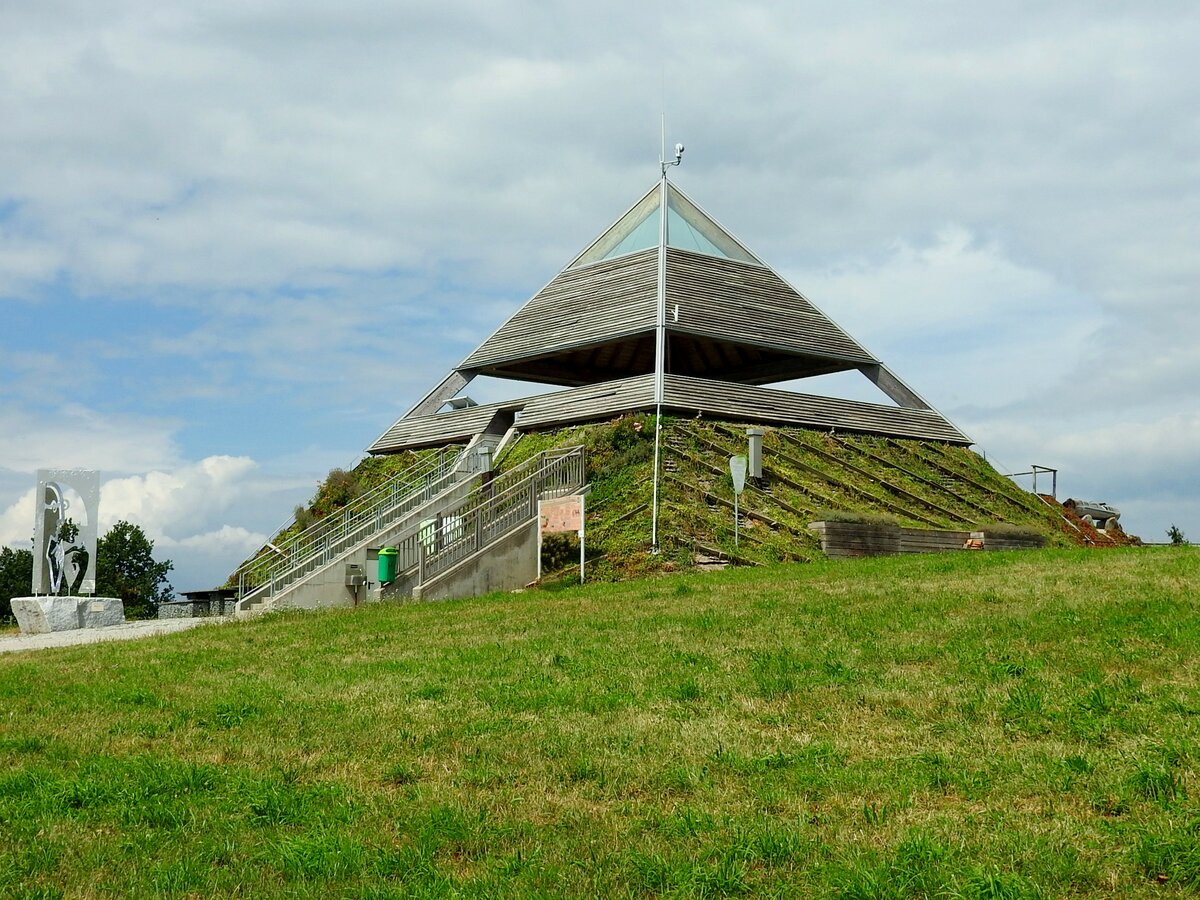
(40, 615)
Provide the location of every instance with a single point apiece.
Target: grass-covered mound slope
(807, 476)
(954, 725)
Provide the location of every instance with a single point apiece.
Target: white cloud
(166, 502)
(16, 522)
(226, 539)
(1166, 444)
(951, 314)
(76, 436)
(953, 284)
(1148, 468)
(204, 561)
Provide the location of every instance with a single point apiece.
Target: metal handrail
(487, 515)
(367, 514)
(360, 499)
(551, 472)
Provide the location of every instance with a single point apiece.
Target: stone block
(99, 612)
(41, 615)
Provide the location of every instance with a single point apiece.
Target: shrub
(340, 488)
(16, 578)
(304, 517)
(558, 552)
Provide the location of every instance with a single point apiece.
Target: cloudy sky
(237, 239)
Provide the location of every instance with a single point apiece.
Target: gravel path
(126, 632)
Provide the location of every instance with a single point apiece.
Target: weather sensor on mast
(678, 159)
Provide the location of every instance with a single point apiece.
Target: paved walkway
(126, 632)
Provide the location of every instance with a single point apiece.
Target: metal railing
(324, 541)
(508, 501)
(1034, 470)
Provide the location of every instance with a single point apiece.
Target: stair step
(707, 563)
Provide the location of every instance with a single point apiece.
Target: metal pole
(660, 339)
(736, 517)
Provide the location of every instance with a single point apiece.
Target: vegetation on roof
(808, 476)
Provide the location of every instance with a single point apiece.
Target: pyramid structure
(666, 309)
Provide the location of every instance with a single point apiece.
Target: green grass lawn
(956, 725)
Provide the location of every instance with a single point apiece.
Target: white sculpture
(64, 547)
(64, 558)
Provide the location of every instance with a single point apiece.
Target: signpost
(559, 516)
(737, 470)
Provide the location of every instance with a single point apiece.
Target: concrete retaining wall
(505, 566)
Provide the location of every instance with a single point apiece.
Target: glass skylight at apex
(687, 229)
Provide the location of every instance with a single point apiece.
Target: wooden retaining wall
(925, 540)
(846, 539)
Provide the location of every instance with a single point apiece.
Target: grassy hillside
(954, 725)
(806, 474)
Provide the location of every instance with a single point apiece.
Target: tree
(16, 578)
(1176, 535)
(126, 569)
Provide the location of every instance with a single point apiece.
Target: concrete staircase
(444, 514)
(488, 540)
(266, 581)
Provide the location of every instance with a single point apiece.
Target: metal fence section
(509, 501)
(324, 541)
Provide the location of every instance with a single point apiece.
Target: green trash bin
(387, 564)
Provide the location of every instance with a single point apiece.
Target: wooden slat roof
(452, 426)
(723, 299)
(595, 305)
(683, 396)
(732, 324)
(582, 404)
(588, 403)
(742, 402)
(737, 320)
